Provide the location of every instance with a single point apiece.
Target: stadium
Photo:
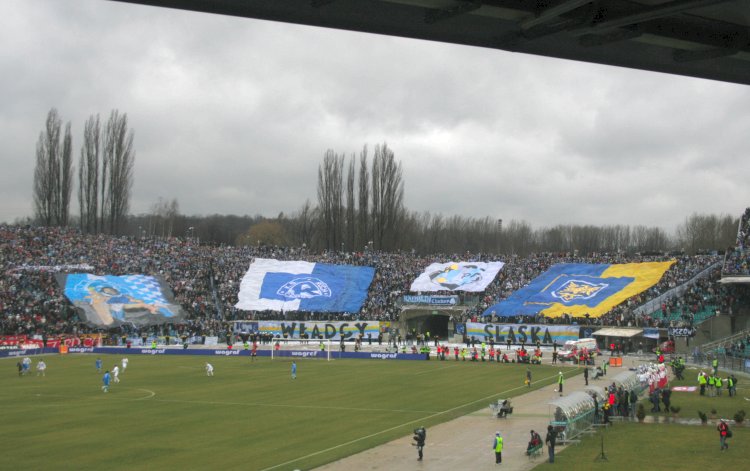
(124, 349)
(364, 380)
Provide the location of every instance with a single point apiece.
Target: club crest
(305, 288)
(578, 289)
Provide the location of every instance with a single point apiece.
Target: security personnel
(560, 382)
(715, 365)
(717, 385)
(498, 447)
(420, 435)
(702, 383)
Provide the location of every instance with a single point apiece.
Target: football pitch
(166, 412)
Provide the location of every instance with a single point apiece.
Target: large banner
(302, 286)
(110, 301)
(461, 276)
(329, 330)
(523, 333)
(580, 289)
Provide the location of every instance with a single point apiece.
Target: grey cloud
(233, 116)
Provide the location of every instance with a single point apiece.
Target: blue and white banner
(110, 301)
(303, 286)
(651, 333)
(431, 300)
(456, 276)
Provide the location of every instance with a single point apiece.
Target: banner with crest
(580, 289)
(303, 286)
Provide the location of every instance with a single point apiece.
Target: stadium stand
(737, 260)
(205, 281)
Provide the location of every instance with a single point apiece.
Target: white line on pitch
(436, 369)
(295, 406)
(399, 426)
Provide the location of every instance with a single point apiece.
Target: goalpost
(301, 348)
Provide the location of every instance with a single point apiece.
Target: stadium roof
(739, 280)
(699, 38)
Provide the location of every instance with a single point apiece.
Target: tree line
(105, 174)
(359, 207)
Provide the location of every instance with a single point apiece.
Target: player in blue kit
(105, 381)
(294, 370)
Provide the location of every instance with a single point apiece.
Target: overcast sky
(233, 116)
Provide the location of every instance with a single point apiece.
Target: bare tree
(119, 160)
(330, 193)
(351, 209)
(266, 232)
(702, 232)
(53, 174)
(363, 236)
(162, 218)
(65, 178)
(518, 237)
(89, 177)
(303, 225)
(387, 198)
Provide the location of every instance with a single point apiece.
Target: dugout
(629, 381)
(596, 392)
(438, 322)
(572, 415)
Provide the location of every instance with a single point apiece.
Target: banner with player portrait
(456, 276)
(111, 301)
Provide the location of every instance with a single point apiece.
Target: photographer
(420, 435)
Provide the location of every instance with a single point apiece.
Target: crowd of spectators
(205, 279)
(737, 261)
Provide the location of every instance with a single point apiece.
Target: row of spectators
(737, 261)
(206, 279)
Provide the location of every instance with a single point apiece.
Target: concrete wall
(714, 328)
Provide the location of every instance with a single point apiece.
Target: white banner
(250, 288)
(302, 286)
(457, 276)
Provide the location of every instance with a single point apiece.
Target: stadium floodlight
(297, 348)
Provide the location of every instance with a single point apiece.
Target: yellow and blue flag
(579, 289)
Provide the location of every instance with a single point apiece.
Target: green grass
(692, 402)
(636, 446)
(167, 413)
(662, 445)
